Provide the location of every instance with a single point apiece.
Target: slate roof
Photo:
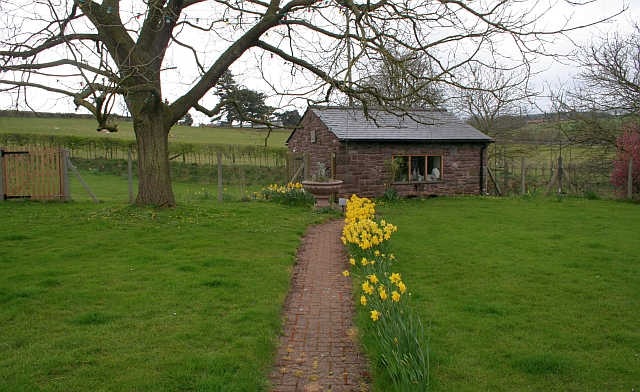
(350, 123)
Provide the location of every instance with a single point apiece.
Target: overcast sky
(555, 72)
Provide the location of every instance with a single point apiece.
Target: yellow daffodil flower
(395, 278)
(395, 296)
(373, 279)
(375, 315)
(345, 273)
(363, 300)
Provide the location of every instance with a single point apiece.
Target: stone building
(434, 153)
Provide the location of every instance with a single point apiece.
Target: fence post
(630, 179)
(220, 176)
(522, 180)
(307, 164)
(287, 165)
(560, 174)
(1, 175)
(506, 177)
(130, 169)
(66, 187)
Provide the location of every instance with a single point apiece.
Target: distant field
(83, 127)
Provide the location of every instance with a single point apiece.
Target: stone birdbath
(322, 190)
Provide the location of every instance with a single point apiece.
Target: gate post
(307, 162)
(66, 188)
(1, 175)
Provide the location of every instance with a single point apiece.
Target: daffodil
(367, 288)
(363, 300)
(383, 294)
(352, 261)
(395, 278)
(395, 296)
(345, 273)
(373, 279)
(402, 287)
(375, 315)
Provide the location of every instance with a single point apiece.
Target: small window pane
(417, 168)
(434, 167)
(402, 170)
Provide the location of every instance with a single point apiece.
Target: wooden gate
(297, 167)
(33, 173)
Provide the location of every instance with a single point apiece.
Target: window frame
(426, 165)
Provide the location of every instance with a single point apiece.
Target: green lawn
(524, 294)
(528, 294)
(87, 127)
(109, 297)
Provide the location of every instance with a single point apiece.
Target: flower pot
(322, 191)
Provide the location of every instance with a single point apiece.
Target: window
(418, 168)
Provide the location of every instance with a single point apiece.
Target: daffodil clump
(290, 194)
(398, 331)
(361, 232)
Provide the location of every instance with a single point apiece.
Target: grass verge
(110, 297)
(523, 294)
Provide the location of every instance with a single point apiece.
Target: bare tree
(100, 52)
(606, 89)
(401, 80)
(493, 99)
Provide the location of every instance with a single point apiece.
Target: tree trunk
(154, 174)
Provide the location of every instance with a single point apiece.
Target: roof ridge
(379, 109)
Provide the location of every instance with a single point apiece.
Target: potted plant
(321, 186)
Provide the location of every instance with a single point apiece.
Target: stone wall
(320, 150)
(366, 174)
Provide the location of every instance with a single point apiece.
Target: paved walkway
(318, 350)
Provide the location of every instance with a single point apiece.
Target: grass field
(108, 297)
(523, 294)
(86, 127)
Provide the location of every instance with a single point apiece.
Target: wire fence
(584, 171)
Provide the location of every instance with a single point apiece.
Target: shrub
(291, 194)
(628, 147)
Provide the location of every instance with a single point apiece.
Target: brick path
(318, 352)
